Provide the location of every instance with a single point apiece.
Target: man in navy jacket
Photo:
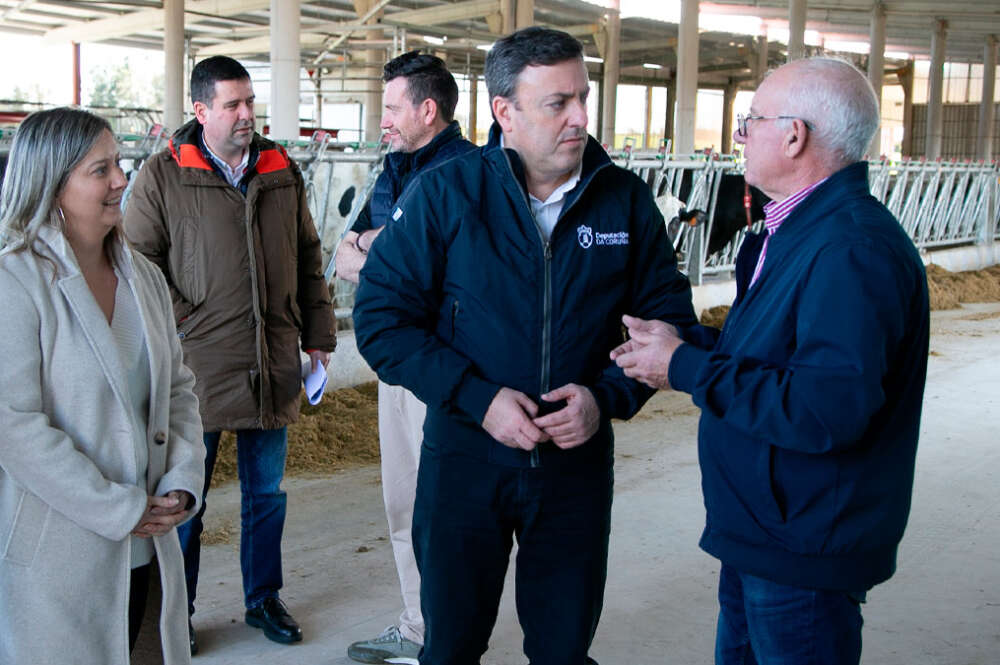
(419, 118)
(811, 393)
(495, 295)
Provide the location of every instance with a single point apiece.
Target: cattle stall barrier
(940, 204)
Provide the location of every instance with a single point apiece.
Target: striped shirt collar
(776, 212)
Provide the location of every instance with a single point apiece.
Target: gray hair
(839, 103)
(47, 147)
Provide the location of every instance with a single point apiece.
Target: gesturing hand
(508, 420)
(646, 356)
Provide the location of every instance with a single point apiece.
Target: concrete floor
(941, 608)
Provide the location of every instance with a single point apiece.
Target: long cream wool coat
(68, 491)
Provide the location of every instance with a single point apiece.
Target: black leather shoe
(278, 625)
(194, 640)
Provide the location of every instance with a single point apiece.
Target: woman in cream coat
(100, 437)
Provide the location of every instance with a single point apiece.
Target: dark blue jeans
(260, 458)
(766, 623)
(467, 513)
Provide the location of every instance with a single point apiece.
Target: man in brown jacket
(222, 211)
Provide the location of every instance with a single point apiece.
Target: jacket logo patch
(586, 236)
(614, 238)
(397, 213)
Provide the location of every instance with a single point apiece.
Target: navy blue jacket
(811, 397)
(399, 168)
(461, 295)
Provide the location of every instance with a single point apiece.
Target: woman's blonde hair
(47, 147)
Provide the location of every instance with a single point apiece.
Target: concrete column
(647, 132)
(984, 137)
(173, 63)
(317, 80)
(285, 27)
(796, 29)
(687, 77)
(596, 130)
(508, 15)
(612, 68)
(371, 112)
(668, 120)
(935, 91)
(76, 74)
(188, 67)
(373, 98)
(876, 69)
(906, 82)
(760, 70)
(526, 13)
(728, 100)
(470, 131)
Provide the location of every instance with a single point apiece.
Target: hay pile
(715, 316)
(947, 290)
(340, 432)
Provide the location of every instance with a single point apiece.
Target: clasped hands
(163, 513)
(512, 418)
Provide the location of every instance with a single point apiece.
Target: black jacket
(461, 295)
(399, 168)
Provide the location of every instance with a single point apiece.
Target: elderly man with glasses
(811, 393)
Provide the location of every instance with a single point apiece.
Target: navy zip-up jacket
(461, 295)
(399, 168)
(811, 397)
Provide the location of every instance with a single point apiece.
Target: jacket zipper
(534, 460)
(546, 327)
(255, 297)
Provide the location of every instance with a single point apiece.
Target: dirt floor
(942, 607)
(342, 431)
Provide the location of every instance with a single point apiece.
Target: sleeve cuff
(474, 396)
(703, 337)
(604, 398)
(688, 359)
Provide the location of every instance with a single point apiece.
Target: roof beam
(16, 8)
(148, 19)
(258, 45)
(459, 11)
(650, 44)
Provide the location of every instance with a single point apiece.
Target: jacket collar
(52, 243)
(849, 182)
(419, 158)
(186, 147)
(595, 158)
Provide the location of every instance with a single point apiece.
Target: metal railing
(939, 204)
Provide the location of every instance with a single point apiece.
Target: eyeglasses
(743, 120)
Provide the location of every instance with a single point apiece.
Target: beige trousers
(401, 432)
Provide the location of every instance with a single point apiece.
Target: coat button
(159, 438)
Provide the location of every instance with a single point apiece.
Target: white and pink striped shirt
(775, 213)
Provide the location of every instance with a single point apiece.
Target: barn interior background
(667, 77)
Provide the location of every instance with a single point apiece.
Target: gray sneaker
(389, 647)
